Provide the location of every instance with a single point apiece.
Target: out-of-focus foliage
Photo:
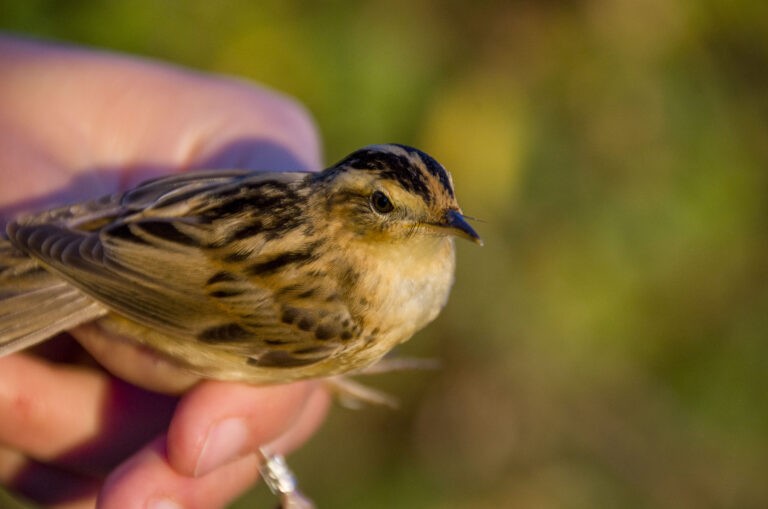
(608, 346)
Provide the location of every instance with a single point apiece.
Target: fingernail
(225, 442)
(163, 503)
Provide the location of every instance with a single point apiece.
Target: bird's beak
(455, 224)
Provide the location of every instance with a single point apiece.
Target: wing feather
(35, 304)
(155, 255)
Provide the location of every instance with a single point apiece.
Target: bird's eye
(381, 203)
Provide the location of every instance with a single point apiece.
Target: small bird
(236, 275)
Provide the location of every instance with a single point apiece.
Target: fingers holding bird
(156, 477)
(58, 440)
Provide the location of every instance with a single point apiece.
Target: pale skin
(77, 124)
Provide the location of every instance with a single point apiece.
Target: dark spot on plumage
(279, 359)
(275, 342)
(346, 335)
(375, 332)
(326, 331)
(306, 323)
(290, 315)
(236, 256)
(306, 294)
(332, 297)
(221, 277)
(364, 301)
(167, 230)
(226, 293)
(123, 232)
(276, 263)
(247, 229)
(224, 333)
(346, 323)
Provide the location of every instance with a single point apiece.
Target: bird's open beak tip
(460, 227)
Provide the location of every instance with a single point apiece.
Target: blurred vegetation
(607, 347)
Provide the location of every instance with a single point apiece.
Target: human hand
(77, 124)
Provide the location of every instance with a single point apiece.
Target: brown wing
(123, 252)
(179, 253)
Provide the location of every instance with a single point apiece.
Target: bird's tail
(36, 304)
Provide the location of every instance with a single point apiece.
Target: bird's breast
(404, 287)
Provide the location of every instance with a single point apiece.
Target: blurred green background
(607, 347)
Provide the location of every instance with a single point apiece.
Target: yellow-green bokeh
(608, 347)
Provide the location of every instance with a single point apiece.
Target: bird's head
(394, 192)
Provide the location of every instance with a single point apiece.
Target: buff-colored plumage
(258, 277)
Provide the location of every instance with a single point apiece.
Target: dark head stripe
(433, 167)
(406, 166)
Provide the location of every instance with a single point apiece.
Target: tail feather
(35, 304)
